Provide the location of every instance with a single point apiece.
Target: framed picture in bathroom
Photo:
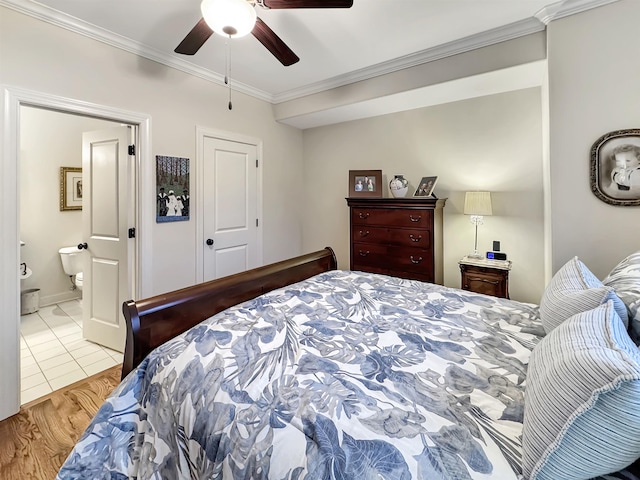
(70, 188)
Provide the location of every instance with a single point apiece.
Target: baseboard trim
(60, 297)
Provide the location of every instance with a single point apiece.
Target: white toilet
(72, 264)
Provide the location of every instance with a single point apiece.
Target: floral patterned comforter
(347, 375)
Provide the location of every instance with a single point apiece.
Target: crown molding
(508, 32)
(484, 39)
(566, 8)
(73, 24)
(514, 30)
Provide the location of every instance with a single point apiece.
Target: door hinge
(256, 222)
(132, 233)
(256, 163)
(132, 149)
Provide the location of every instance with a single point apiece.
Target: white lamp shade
(477, 203)
(229, 18)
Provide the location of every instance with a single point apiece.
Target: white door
(229, 211)
(107, 207)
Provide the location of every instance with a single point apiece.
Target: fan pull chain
(227, 75)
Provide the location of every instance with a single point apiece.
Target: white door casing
(229, 205)
(106, 218)
(10, 102)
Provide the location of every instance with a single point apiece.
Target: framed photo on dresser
(425, 187)
(365, 183)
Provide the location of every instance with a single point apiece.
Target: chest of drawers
(397, 236)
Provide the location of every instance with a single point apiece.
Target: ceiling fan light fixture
(229, 18)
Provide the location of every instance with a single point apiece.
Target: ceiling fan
(236, 18)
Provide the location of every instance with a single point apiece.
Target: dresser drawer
(410, 237)
(392, 217)
(392, 257)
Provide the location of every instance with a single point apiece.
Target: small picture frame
(172, 189)
(615, 168)
(70, 188)
(425, 187)
(365, 183)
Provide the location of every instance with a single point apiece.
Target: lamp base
(475, 254)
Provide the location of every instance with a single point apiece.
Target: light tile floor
(53, 352)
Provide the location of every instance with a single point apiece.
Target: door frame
(10, 102)
(201, 133)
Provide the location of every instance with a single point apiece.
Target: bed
(298, 370)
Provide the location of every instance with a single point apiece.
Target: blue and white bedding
(347, 375)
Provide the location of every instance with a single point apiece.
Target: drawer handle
(414, 260)
(364, 234)
(364, 254)
(415, 219)
(414, 239)
(363, 215)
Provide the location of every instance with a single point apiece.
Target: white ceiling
(335, 46)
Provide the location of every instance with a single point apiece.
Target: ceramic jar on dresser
(401, 237)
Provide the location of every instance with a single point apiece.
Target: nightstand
(482, 275)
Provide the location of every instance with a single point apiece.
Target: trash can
(29, 301)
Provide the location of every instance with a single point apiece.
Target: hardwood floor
(36, 441)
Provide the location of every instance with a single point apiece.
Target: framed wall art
(615, 168)
(365, 183)
(70, 188)
(425, 187)
(172, 189)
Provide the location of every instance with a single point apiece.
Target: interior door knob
(209, 241)
(83, 245)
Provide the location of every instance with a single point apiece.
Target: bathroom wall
(49, 140)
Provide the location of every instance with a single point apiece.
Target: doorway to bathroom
(56, 348)
(143, 204)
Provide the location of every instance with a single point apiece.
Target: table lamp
(477, 204)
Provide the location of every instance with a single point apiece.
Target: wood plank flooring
(36, 441)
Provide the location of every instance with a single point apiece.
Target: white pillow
(574, 289)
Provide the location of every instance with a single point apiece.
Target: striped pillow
(625, 280)
(582, 400)
(574, 289)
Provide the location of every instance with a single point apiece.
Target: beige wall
(489, 143)
(49, 140)
(44, 58)
(594, 88)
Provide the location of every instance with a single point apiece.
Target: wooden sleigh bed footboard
(155, 320)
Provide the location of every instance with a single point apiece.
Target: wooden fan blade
(274, 43)
(308, 3)
(194, 39)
